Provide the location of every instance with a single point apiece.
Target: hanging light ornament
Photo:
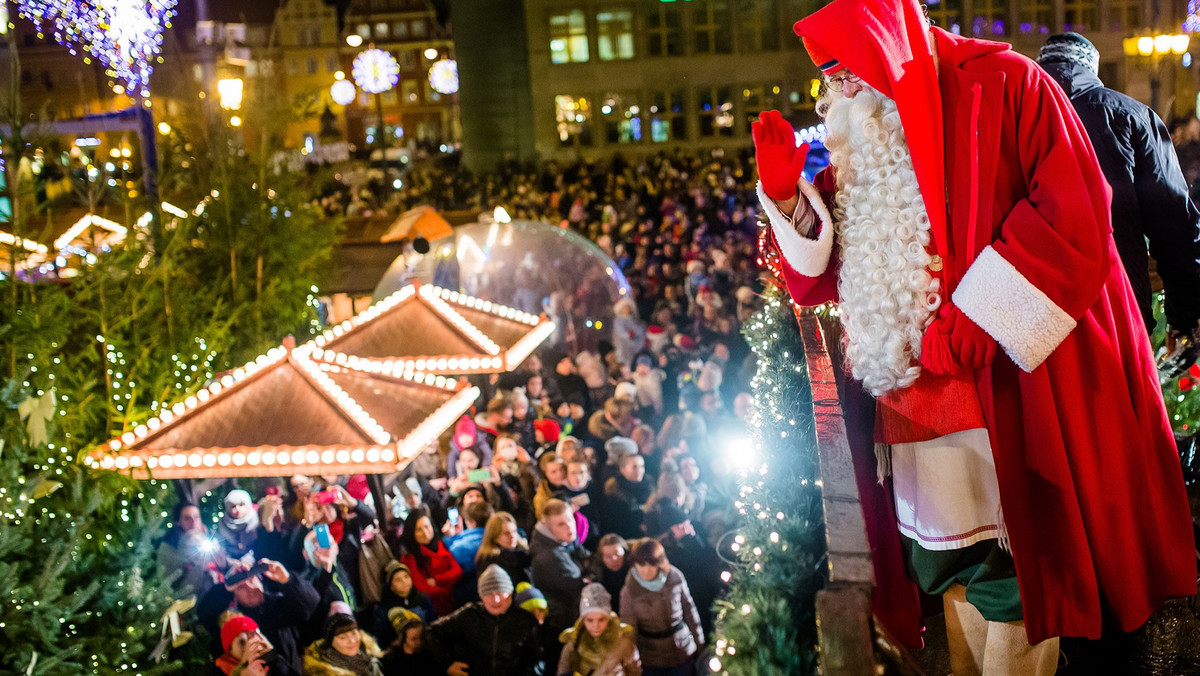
(343, 92)
(125, 36)
(443, 76)
(375, 71)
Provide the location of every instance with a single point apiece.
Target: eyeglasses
(835, 84)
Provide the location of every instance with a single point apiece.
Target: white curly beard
(887, 295)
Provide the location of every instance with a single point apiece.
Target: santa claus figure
(963, 228)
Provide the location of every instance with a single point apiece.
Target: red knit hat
(235, 626)
(549, 429)
(464, 432)
(824, 60)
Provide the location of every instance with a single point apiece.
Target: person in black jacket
(559, 566)
(1149, 192)
(281, 607)
(491, 637)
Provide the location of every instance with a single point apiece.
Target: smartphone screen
(323, 539)
(479, 475)
(452, 515)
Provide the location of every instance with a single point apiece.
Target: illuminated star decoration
(443, 76)
(375, 71)
(125, 36)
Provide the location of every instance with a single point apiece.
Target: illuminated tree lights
(375, 71)
(125, 36)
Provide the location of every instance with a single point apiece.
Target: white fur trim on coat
(806, 256)
(1019, 315)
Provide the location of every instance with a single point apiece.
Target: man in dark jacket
(281, 608)
(559, 562)
(1149, 193)
(491, 637)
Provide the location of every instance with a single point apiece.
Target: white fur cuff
(1019, 315)
(808, 257)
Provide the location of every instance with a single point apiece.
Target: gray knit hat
(1070, 48)
(494, 580)
(595, 599)
(619, 446)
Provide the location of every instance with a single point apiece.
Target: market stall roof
(426, 328)
(285, 413)
(423, 221)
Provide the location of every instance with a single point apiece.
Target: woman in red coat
(434, 570)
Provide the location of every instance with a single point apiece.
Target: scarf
(241, 533)
(361, 664)
(654, 585)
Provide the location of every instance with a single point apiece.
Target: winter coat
(613, 653)
(1031, 261)
(417, 602)
(490, 645)
(1149, 192)
(558, 572)
(666, 622)
(316, 662)
(464, 546)
(516, 562)
(701, 567)
(281, 616)
(372, 560)
(441, 566)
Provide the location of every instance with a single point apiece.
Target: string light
(125, 36)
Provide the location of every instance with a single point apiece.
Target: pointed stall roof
(426, 328)
(285, 413)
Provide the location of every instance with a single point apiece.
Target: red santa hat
(886, 44)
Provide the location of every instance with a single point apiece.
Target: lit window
(614, 35)
(716, 111)
(363, 31)
(991, 18)
(400, 29)
(757, 98)
(1035, 17)
(573, 115)
(418, 29)
(568, 38)
(621, 118)
(1125, 14)
(946, 14)
(668, 121)
(381, 29)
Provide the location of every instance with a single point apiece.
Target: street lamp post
(376, 71)
(1156, 48)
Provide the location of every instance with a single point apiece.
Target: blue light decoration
(375, 71)
(443, 76)
(1192, 23)
(125, 36)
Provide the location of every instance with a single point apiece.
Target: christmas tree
(767, 623)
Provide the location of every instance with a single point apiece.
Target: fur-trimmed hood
(315, 665)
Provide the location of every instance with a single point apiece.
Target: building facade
(635, 76)
(415, 114)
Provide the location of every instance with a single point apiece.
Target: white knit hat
(595, 599)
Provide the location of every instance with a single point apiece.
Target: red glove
(779, 161)
(972, 346)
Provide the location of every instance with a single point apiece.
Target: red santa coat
(1089, 480)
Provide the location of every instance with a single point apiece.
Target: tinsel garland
(767, 623)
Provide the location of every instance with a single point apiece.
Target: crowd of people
(575, 523)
